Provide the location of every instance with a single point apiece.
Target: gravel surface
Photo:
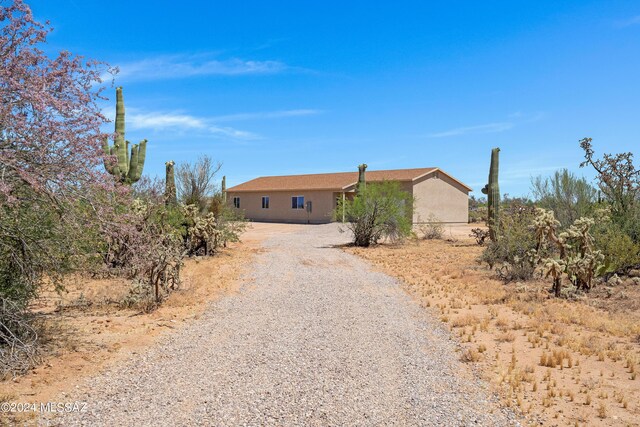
(314, 337)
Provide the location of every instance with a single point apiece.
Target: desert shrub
(231, 224)
(379, 211)
(433, 229)
(18, 339)
(619, 249)
(143, 238)
(618, 180)
(510, 254)
(568, 196)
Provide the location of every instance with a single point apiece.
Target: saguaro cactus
(492, 190)
(170, 185)
(362, 183)
(127, 169)
(224, 189)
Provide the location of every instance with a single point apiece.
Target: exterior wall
(437, 194)
(323, 204)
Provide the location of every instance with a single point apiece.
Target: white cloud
(516, 119)
(178, 121)
(265, 115)
(183, 66)
(486, 128)
(163, 121)
(233, 133)
(629, 22)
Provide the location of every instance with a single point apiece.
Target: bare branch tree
(194, 181)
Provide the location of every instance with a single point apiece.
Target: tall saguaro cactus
(127, 169)
(362, 183)
(224, 189)
(492, 190)
(171, 198)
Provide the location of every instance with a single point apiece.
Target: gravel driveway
(314, 337)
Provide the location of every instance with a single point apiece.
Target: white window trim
(303, 202)
(268, 202)
(234, 202)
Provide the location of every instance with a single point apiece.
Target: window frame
(265, 205)
(236, 202)
(298, 206)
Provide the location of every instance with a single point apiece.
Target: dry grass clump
(470, 355)
(550, 357)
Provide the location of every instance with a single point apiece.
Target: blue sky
(285, 87)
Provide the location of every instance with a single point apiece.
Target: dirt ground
(557, 362)
(87, 330)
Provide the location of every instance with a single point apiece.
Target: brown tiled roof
(327, 181)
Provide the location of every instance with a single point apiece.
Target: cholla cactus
(202, 233)
(576, 257)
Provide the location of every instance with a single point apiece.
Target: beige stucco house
(313, 198)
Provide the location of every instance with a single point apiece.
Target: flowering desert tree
(50, 135)
(50, 145)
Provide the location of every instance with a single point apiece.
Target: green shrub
(382, 210)
(620, 251)
(510, 255)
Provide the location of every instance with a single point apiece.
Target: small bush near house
(379, 211)
(433, 229)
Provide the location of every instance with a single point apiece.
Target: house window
(265, 202)
(297, 202)
(236, 202)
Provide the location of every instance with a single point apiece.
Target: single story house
(313, 198)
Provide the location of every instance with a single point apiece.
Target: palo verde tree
(379, 210)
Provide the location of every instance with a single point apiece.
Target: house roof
(338, 181)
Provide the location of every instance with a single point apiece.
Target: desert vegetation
(544, 299)
(379, 211)
(574, 235)
(74, 201)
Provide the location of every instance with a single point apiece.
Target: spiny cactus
(127, 169)
(170, 185)
(362, 183)
(492, 190)
(224, 189)
(576, 257)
